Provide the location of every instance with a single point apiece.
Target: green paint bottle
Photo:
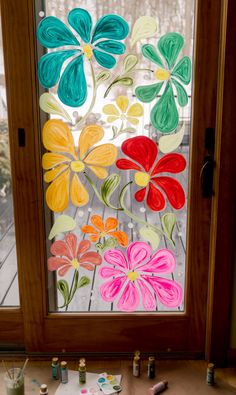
(82, 371)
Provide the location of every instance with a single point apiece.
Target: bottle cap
(63, 364)
(151, 359)
(43, 388)
(210, 365)
(137, 353)
(82, 364)
(82, 360)
(55, 360)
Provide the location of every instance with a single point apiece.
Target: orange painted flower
(101, 229)
(66, 161)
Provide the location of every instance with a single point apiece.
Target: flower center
(103, 234)
(162, 74)
(75, 263)
(77, 166)
(132, 276)
(141, 178)
(88, 51)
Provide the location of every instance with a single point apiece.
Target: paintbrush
(21, 372)
(7, 371)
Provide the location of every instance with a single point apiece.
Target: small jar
(43, 389)
(136, 364)
(64, 372)
(210, 374)
(151, 368)
(14, 386)
(82, 371)
(55, 369)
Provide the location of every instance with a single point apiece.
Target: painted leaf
(108, 187)
(129, 130)
(144, 27)
(170, 46)
(182, 96)
(182, 70)
(103, 76)
(49, 104)
(114, 130)
(83, 282)
(111, 242)
(164, 115)
(147, 93)
(151, 236)
(129, 62)
(168, 221)
(63, 287)
(125, 81)
(63, 223)
(172, 141)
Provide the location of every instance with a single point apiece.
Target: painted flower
(131, 279)
(69, 254)
(143, 151)
(172, 74)
(65, 162)
(107, 229)
(99, 42)
(122, 112)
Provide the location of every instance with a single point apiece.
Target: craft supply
(82, 371)
(55, 368)
(64, 372)
(151, 367)
(108, 384)
(43, 389)
(136, 364)
(159, 387)
(210, 374)
(7, 371)
(14, 386)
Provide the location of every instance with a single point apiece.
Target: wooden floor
(184, 377)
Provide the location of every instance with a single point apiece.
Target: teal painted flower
(100, 43)
(164, 114)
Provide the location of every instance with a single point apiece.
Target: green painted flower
(172, 74)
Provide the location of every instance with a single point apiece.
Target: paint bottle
(43, 389)
(159, 387)
(210, 374)
(136, 364)
(55, 369)
(64, 372)
(82, 371)
(151, 367)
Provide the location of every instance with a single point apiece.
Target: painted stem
(71, 287)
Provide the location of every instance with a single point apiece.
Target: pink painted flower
(67, 254)
(132, 278)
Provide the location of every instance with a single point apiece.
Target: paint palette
(89, 391)
(108, 384)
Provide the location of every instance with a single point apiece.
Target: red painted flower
(143, 151)
(67, 254)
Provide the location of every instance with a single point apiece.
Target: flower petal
(136, 110)
(164, 115)
(121, 237)
(51, 174)
(126, 164)
(91, 257)
(55, 263)
(57, 194)
(147, 93)
(89, 136)
(162, 262)
(149, 302)
(129, 299)
(122, 102)
(53, 33)
(94, 238)
(111, 46)
(170, 46)
(59, 247)
(81, 21)
(71, 241)
(111, 223)
(110, 289)
(89, 229)
(87, 266)
(173, 191)
(110, 26)
(58, 137)
(170, 163)
(107, 272)
(134, 121)
(72, 89)
(140, 195)
(104, 59)
(83, 246)
(155, 199)
(112, 118)
(103, 155)
(50, 160)
(100, 172)
(137, 252)
(183, 70)
(116, 258)
(110, 109)
(50, 65)
(141, 149)
(150, 52)
(169, 292)
(98, 222)
(182, 95)
(61, 272)
(78, 193)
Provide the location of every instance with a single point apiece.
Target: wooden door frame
(43, 330)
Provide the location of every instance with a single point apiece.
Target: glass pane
(9, 292)
(117, 91)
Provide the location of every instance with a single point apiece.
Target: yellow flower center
(75, 263)
(162, 74)
(77, 166)
(132, 276)
(88, 51)
(103, 234)
(141, 178)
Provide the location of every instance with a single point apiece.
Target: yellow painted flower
(65, 162)
(121, 111)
